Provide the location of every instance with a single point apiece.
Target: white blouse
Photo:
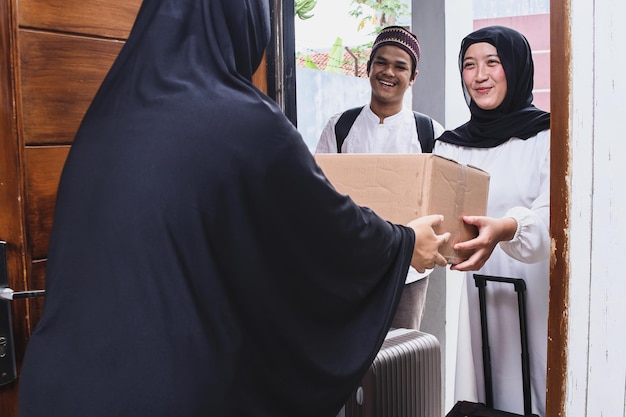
(519, 188)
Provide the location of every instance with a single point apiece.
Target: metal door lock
(8, 371)
(3, 346)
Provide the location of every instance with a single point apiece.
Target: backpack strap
(423, 125)
(344, 123)
(425, 131)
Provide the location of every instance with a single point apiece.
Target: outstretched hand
(491, 231)
(427, 243)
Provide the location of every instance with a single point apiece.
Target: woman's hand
(491, 231)
(427, 243)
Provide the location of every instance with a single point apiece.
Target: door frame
(281, 83)
(560, 81)
(281, 58)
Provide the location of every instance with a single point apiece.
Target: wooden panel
(60, 74)
(43, 170)
(11, 229)
(106, 18)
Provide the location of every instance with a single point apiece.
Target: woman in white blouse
(510, 139)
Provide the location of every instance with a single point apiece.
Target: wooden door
(53, 56)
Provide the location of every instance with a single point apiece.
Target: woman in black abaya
(200, 263)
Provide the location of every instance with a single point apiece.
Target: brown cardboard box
(402, 187)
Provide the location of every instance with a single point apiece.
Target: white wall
(596, 375)
(320, 94)
(459, 23)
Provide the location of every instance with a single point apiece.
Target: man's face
(390, 74)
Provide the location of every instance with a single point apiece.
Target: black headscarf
(516, 116)
(200, 263)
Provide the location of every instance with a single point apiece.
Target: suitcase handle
(520, 288)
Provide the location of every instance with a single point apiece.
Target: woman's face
(484, 75)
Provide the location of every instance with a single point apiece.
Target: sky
(331, 20)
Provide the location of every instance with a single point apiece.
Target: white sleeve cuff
(531, 242)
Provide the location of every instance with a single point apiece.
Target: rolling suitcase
(404, 379)
(471, 409)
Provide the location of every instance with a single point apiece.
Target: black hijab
(200, 263)
(516, 116)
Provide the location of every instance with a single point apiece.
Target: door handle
(8, 372)
(8, 294)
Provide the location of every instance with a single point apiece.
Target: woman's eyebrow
(486, 56)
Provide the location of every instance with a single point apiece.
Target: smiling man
(386, 126)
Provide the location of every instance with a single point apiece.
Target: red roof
(347, 65)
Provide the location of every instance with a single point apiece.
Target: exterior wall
(536, 28)
(496, 8)
(320, 94)
(596, 365)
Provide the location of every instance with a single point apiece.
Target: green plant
(335, 57)
(380, 13)
(308, 63)
(303, 8)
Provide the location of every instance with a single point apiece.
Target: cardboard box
(402, 187)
